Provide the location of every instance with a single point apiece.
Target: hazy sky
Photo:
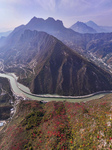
(17, 12)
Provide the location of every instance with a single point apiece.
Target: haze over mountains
(48, 65)
(90, 27)
(2, 34)
(76, 41)
(98, 28)
(82, 28)
(67, 101)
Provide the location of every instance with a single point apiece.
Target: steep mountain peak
(82, 28)
(90, 21)
(96, 27)
(91, 24)
(41, 20)
(49, 25)
(35, 20)
(80, 24)
(50, 19)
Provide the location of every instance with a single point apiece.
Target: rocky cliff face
(66, 73)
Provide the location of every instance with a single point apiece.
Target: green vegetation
(60, 126)
(33, 119)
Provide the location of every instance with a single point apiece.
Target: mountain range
(47, 65)
(82, 28)
(49, 58)
(98, 28)
(78, 42)
(90, 27)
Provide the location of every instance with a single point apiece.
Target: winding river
(23, 91)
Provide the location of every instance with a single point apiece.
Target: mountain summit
(95, 26)
(49, 25)
(82, 28)
(47, 66)
(99, 29)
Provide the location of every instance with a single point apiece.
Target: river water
(21, 90)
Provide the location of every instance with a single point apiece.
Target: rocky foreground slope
(60, 125)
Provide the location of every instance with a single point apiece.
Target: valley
(55, 86)
(55, 75)
(45, 57)
(51, 59)
(23, 93)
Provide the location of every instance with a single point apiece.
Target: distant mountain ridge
(48, 65)
(82, 43)
(82, 28)
(51, 26)
(48, 25)
(99, 29)
(56, 69)
(90, 27)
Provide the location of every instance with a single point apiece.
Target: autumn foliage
(60, 126)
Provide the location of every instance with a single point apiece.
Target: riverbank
(24, 92)
(57, 96)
